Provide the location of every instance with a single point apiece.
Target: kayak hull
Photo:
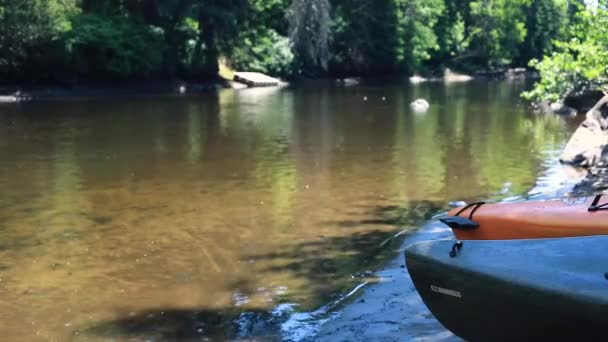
(533, 220)
(515, 290)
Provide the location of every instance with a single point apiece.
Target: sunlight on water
(192, 217)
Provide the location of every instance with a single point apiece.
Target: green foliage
(546, 21)
(135, 39)
(269, 14)
(114, 46)
(28, 26)
(580, 63)
(264, 51)
(262, 44)
(373, 37)
(498, 27)
(363, 37)
(416, 40)
(451, 33)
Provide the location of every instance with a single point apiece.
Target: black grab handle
(476, 206)
(459, 222)
(595, 207)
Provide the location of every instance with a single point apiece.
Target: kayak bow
(513, 290)
(530, 220)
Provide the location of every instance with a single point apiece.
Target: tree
(309, 28)
(416, 20)
(113, 47)
(142, 39)
(580, 63)
(175, 38)
(364, 37)
(217, 22)
(197, 31)
(545, 22)
(383, 36)
(497, 29)
(451, 30)
(28, 27)
(262, 44)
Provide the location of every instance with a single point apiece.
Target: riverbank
(449, 76)
(20, 93)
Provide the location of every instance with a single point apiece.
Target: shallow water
(166, 218)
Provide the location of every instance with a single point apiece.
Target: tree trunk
(210, 67)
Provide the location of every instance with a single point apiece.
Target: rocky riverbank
(587, 150)
(449, 76)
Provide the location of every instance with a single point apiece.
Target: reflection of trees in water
(511, 148)
(468, 147)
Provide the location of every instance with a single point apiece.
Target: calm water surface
(154, 219)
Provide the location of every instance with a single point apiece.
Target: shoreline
(24, 93)
(16, 94)
(390, 309)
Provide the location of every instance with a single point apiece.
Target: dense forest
(109, 40)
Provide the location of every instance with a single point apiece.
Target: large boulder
(450, 77)
(583, 100)
(588, 145)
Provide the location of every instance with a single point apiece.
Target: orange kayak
(530, 220)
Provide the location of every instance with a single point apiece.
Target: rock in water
(417, 79)
(449, 76)
(561, 109)
(588, 141)
(420, 106)
(9, 99)
(349, 82)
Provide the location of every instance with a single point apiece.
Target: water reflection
(114, 212)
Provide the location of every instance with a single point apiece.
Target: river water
(184, 218)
